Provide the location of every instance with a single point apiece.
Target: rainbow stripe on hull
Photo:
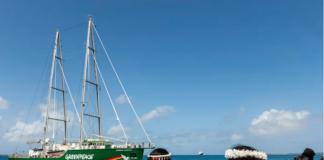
(116, 158)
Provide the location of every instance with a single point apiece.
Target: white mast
(49, 93)
(57, 40)
(86, 63)
(84, 82)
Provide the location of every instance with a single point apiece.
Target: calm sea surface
(221, 157)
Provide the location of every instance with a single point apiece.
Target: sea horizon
(222, 157)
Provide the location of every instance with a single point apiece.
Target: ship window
(133, 155)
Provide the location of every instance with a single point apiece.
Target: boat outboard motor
(159, 154)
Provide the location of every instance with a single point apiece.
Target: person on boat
(309, 153)
(241, 152)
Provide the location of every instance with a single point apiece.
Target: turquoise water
(221, 157)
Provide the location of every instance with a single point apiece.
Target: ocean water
(221, 157)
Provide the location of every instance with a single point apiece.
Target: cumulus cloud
(274, 121)
(3, 103)
(14, 132)
(160, 111)
(37, 127)
(59, 112)
(121, 99)
(236, 137)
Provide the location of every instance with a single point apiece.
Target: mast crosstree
(59, 58)
(85, 81)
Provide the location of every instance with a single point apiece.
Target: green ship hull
(96, 154)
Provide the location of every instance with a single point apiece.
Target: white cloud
(274, 121)
(117, 132)
(0, 117)
(37, 127)
(121, 99)
(3, 103)
(236, 137)
(59, 114)
(14, 132)
(160, 111)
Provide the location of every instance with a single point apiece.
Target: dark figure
(301, 158)
(309, 153)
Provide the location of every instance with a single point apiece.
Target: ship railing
(18, 156)
(141, 145)
(149, 145)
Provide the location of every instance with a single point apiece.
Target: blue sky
(202, 75)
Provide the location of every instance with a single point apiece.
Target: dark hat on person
(160, 153)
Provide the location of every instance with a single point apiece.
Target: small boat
(201, 153)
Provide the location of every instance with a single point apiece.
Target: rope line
(67, 85)
(38, 117)
(77, 101)
(110, 97)
(32, 103)
(73, 27)
(121, 84)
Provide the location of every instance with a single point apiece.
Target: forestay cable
(110, 97)
(71, 97)
(121, 83)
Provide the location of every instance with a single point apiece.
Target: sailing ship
(99, 148)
